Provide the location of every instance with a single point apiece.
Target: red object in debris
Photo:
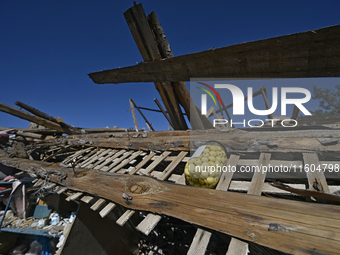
(4, 137)
(7, 178)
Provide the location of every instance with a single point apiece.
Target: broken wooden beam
(46, 123)
(314, 53)
(285, 225)
(142, 34)
(43, 115)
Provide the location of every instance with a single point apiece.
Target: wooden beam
(314, 53)
(26, 116)
(180, 88)
(133, 115)
(141, 32)
(285, 225)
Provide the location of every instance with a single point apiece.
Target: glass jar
(206, 165)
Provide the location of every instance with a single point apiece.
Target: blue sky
(47, 49)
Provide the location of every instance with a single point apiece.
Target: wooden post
(180, 88)
(141, 32)
(146, 120)
(26, 116)
(134, 115)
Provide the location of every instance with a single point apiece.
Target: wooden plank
(156, 162)
(86, 199)
(126, 161)
(144, 38)
(57, 152)
(289, 226)
(62, 190)
(315, 54)
(74, 196)
(38, 183)
(75, 155)
(46, 123)
(133, 115)
(118, 160)
(107, 209)
(237, 247)
(225, 179)
(201, 240)
(168, 170)
(110, 152)
(125, 217)
(97, 204)
(110, 159)
(142, 163)
(316, 179)
(259, 176)
(43, 115)
(149, 223)
(93, 158)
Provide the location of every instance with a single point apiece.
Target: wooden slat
(142, 163)
(110, 159)
(156, 162)
(307, 54)
(107, 209)
(237, 247)
(97, 204)
(86, 199)
(126, 161)
(118, 160)
(148, 224)
(74, 196)
(226, 177)
(125, 217)
(70, 158)
(259, 176)
(38, 183)
(315, 178)
(92, 158)
(110, 152)
(167, 171)
(200, 242)
(90, 164)
(62, 190)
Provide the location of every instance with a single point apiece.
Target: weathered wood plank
(97, 204)
(200, 242)
(256, 185)
(286, 225)
(315, 54)
(107, 209)
(125, 217)
(46, 123)
(156, 162)
(86, 199)
(74, 196)
(142, 163)
(226, 177)
(237, 247)
(126, 161)
(149, 223)
(316, 179)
